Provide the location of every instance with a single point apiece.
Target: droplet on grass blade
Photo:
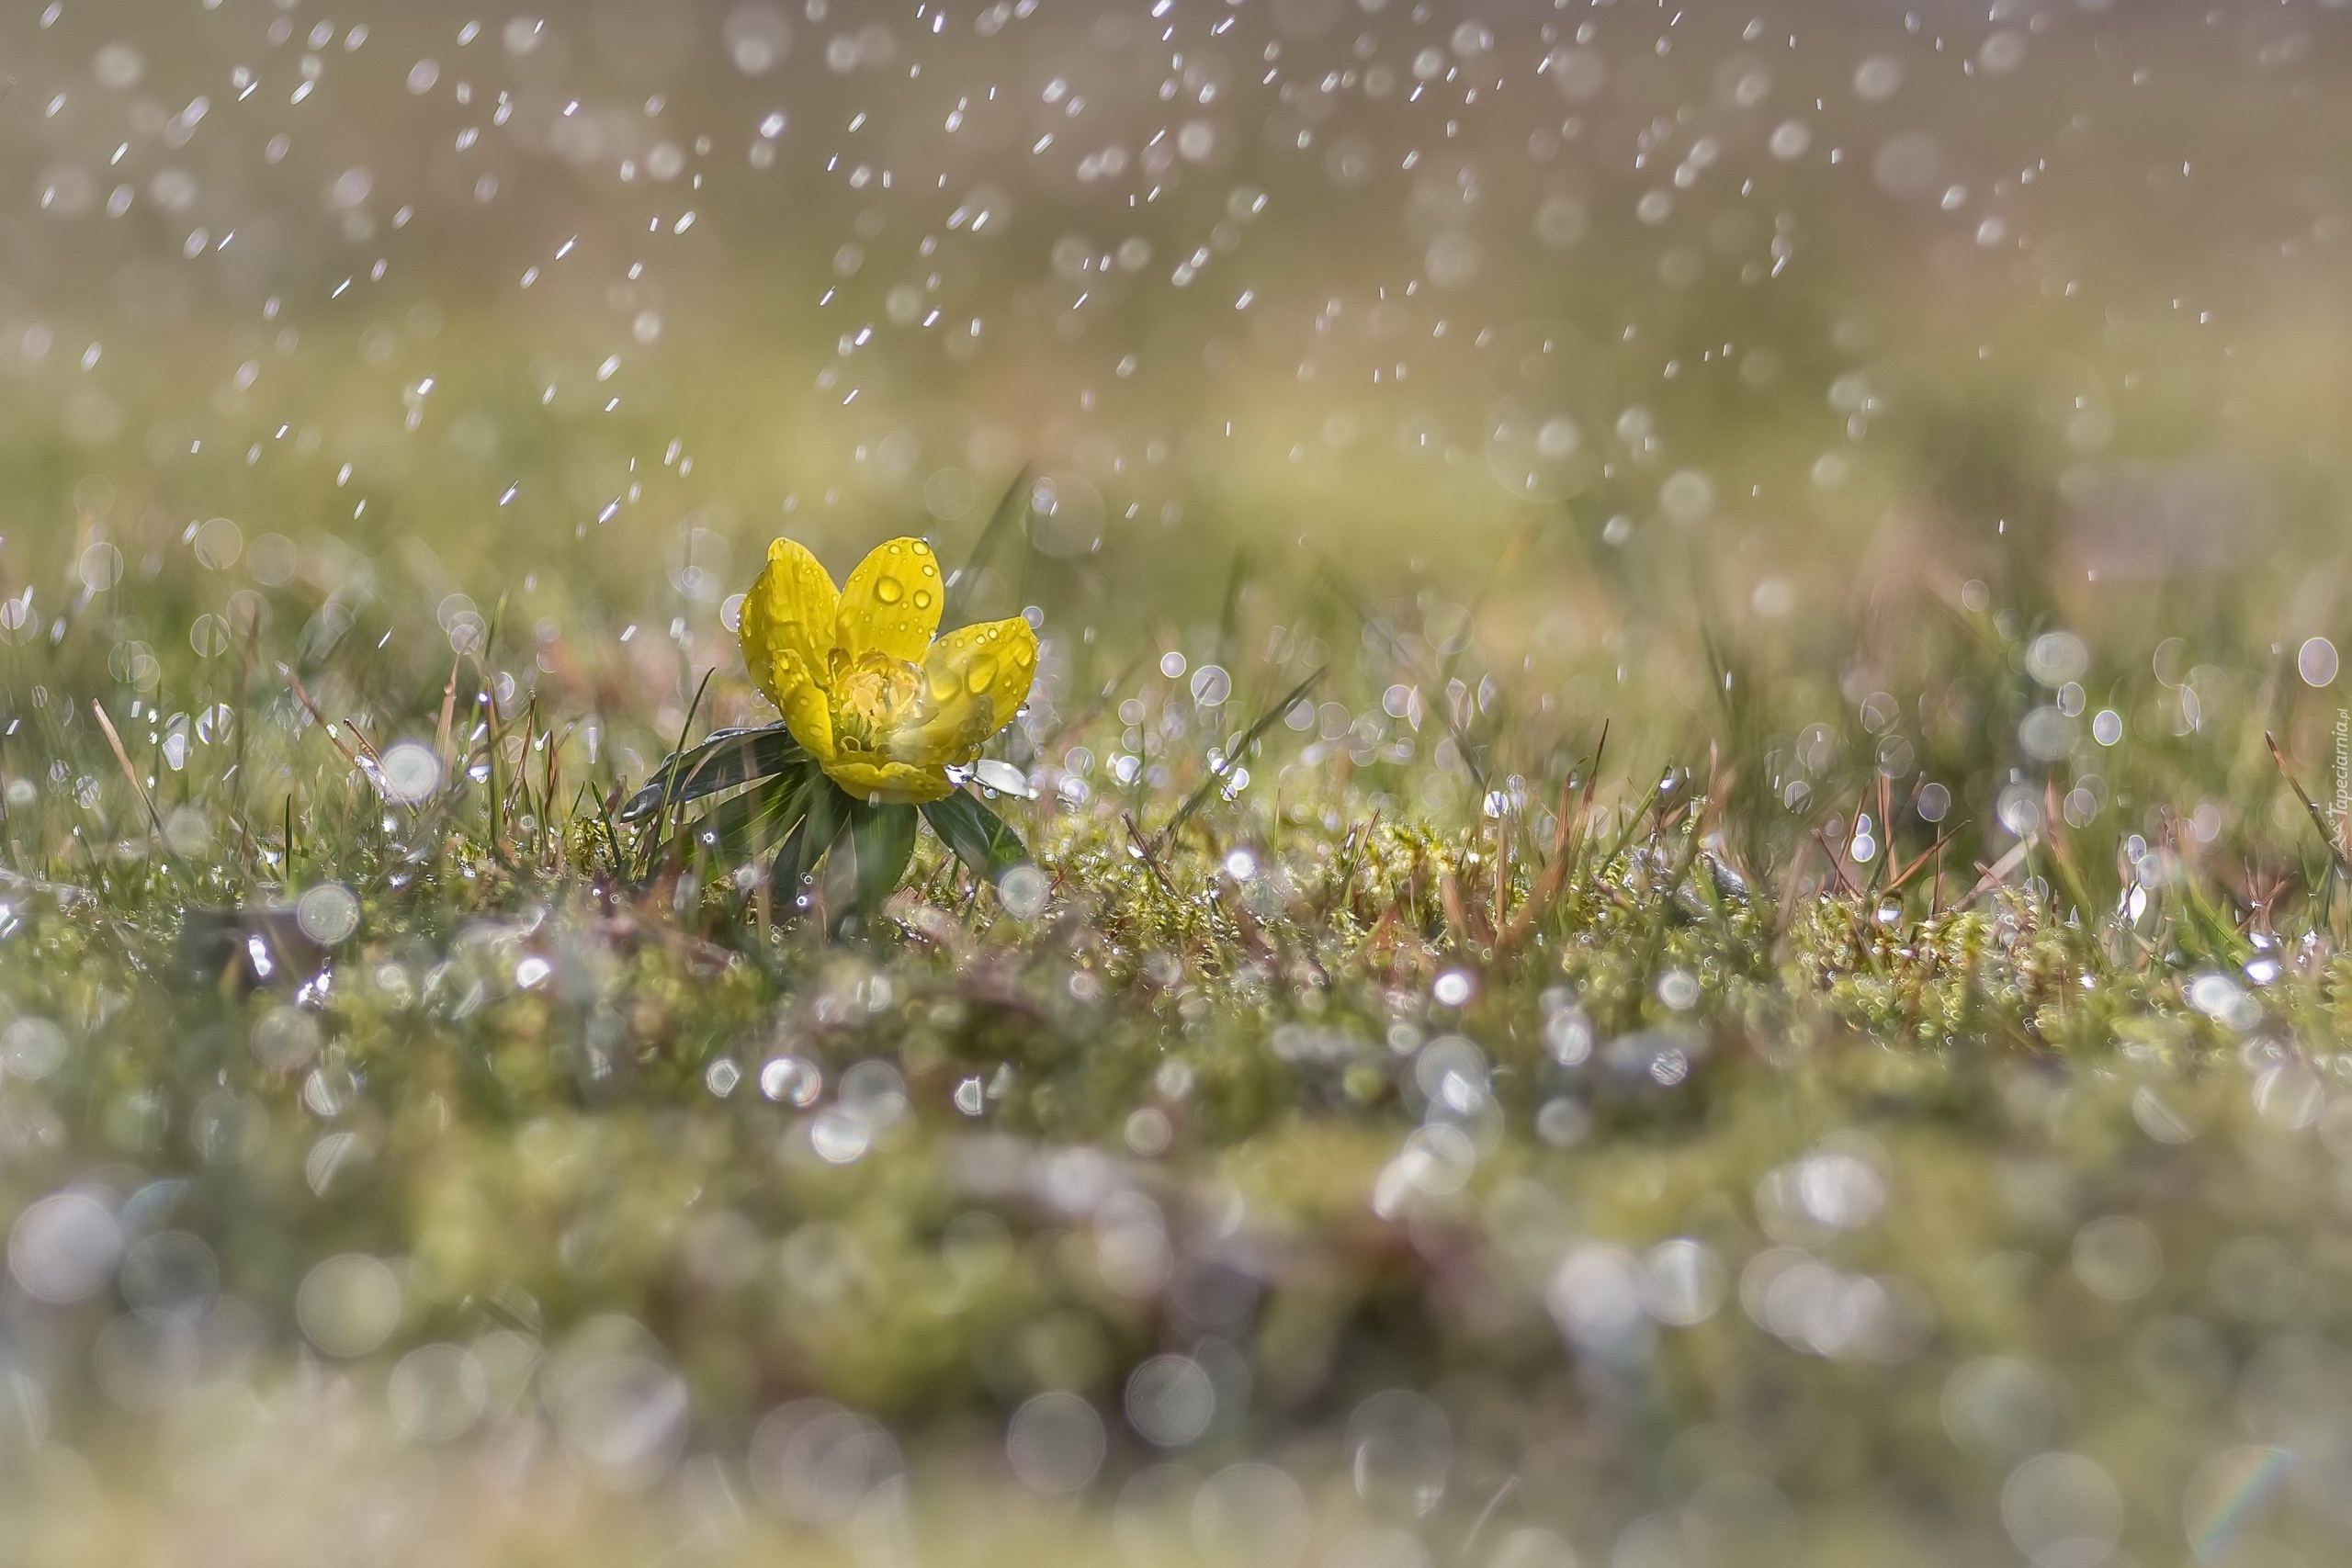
(1022, 890)
(410, 773)
(2118, 1257)
(348, 1305)
(284, 1039)
(1054, 1442)
(64, 1248)
(31, 1048)
(2055, 658)
(1171, 1401)
(1998, 1406)
(1252, 1513)
(817, 1463)
(994, 773)
(1563, 1122)
(327, 914)
(839, 1137)
(170, 1271)
(791, 1081)
(1596, 1297)
(146, 1362)
(436, 1393)
(625, 1415)
(1683, 1282)
(2063, 1511)
(1401, 1450)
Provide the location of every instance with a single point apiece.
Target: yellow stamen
(872, 697)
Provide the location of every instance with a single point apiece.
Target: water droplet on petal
(981, 676)
(889, 590)
(922, 596)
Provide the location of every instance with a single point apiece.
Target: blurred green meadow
(1684, 885)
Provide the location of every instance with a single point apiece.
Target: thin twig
(1837, 867)
(1931, 851)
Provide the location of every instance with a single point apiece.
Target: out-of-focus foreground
(1779, 999)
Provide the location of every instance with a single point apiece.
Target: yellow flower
(883, 708)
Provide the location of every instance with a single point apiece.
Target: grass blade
(2319, 817)
(1012, 509)
(1233, 753)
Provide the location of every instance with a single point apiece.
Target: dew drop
(923, 598)
(889, 590)
(981, 676)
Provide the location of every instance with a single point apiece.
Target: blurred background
(1805, 293)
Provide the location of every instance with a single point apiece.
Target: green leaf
(729, 758)
(978, 835)
(822, 822)
(744, 826)
(881, 841)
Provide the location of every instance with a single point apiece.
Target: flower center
(873, 697)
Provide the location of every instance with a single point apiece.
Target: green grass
(1390, 1070)
(1532, 1122)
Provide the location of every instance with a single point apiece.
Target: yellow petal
(805, 712)
(788, 620)
(975, 680)
(891, 603)
(893, 783)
